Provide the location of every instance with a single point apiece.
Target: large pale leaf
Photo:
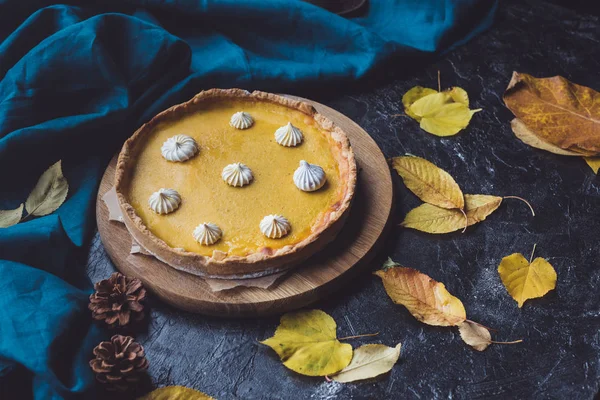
(49, 192)
(530, 138)
(430, 183)
(475, 335)
(432, 219)
(413, 95)
(175, 393)
(559, 112)
(442, 117)
(369, 361)
(427, 300)
(526, 281)
(594, 163)
(10, 217)
(306, 342)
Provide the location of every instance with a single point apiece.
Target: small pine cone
(117, 300)
(119, 364)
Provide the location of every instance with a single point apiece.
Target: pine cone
(120, 363)
(117, 300)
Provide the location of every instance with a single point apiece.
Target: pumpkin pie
(236, 184)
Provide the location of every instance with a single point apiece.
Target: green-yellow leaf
(526, 281)
(430, 183)
(459, 95)
(49, 192)
(306, 342)
(441, 117)
(593, 162)
(369, 361)
(427, 300)
(175, 393)
(413, 95)
(432, 219)
(10, 217)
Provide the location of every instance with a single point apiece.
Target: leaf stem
(439, 82)
(523, 200)
(513, 342)
(466, 220)
(328, 379)
(532, 253)
(483, 326)
(359, 336)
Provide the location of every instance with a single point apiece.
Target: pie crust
(266, 260)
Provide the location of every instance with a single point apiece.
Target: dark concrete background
(560, 355)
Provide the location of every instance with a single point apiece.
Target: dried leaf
(559, 112)
(526, 281)
(440, 116)
(530, 138)
(593, 162)
(430, 183)
(369, 361)
(432, 219)
(427, 300)
(49, 192)
(306, 342)
(10, 217)
(459, 95)
(475, 335)
(413, 95)
(175, 393)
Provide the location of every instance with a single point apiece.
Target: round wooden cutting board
(318, 277)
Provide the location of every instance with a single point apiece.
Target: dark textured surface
(560, 356)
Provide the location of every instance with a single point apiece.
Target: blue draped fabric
(76, 80)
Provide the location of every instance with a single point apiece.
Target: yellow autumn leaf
(175, 393)
(442, 117)
(528, 137)
(413, 95)
(526, 281)
(369, 361)
(475, 335)
(593, 162)
(306, 342)
(426, 299)
(430, 183)
(432, 219)
(459, 95)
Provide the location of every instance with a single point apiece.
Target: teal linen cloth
(77, 79)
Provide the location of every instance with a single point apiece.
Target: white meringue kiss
(207, 233)
(164, 201)
(275, 226)
(309, 177)
(241, 120)
(288, 135)
(179, 148)
(237, 175)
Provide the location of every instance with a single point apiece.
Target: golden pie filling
(236, 210)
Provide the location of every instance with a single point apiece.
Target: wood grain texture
(317, 277)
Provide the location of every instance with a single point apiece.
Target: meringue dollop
(275, 226)
(237, 175)
(207, 233)
(164, 201)
(288, 135)
(241, 120)
(179, 148)
(309, 177)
